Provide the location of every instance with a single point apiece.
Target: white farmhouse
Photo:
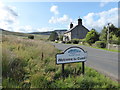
(76, 32)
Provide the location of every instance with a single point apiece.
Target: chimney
(71, 25)
(79, 21)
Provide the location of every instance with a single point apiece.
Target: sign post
(83, 68)
(71, 55)
(63, 75)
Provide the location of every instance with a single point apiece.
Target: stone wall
(114, 47)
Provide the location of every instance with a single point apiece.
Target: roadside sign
(71, 55)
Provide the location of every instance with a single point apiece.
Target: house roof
(71, 29)
(75, 27)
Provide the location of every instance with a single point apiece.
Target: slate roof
(73, 28)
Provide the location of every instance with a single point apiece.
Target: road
(103, 61)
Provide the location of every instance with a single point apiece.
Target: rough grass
(31, 64)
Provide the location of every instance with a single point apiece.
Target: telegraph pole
(108, 34)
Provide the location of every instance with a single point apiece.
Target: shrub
(92, 37)
(53, 36)
(115, 42)
(63, 41)
(75, 41)
(100, 44)
(82, 41)
(68, 42)
(56, 41)
(31, 37)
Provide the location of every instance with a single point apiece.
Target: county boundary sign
(71, 55)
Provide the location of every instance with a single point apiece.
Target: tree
(31, 37)
(103, 34)
(118, 33)
(113, 29)
(92, 36)
(114, 34)
(53, 36)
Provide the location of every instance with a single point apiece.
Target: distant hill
(42, 33)
(60, 32)
(5, 32)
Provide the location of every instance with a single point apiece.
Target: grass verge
(101, 48)
(31, 64)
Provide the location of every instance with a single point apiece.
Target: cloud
(11, 10)
(8, 17)
(9, 20)
(55, 19)
(105, 2)
(102, 4)
(99, 20)
(54, 9)
(45, 29)
(62, 19)
(29, 29)
(26, 28)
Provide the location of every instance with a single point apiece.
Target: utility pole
(108, 34)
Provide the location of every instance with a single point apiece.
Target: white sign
(70, 55)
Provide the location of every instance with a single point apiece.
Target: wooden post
(63, 71)
(42, 56)
(83, 68)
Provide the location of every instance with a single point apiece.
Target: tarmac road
(103, 61)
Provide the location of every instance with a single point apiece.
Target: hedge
(100, 44)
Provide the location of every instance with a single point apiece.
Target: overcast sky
(47, 16)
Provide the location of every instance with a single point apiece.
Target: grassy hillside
(30, 63)
(5, 32)
(23, 35)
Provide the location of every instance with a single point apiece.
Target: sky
(48, 16)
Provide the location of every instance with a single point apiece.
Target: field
(28, 63)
